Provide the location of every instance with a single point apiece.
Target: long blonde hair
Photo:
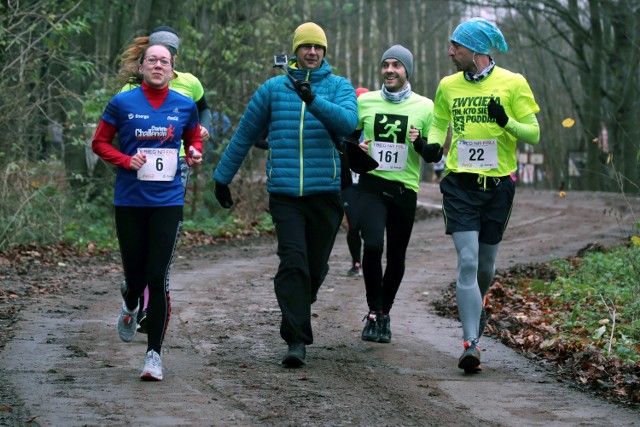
(129, 72)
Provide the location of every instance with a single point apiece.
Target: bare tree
(593, 47)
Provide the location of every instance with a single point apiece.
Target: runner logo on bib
(388, 147)
(477, 154)
(161, 165)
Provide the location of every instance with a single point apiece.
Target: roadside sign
(523, 158)
(536, 158)
(577, 163)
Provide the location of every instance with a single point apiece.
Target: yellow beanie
(309, 33)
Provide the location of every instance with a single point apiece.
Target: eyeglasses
(308, 46)
(152, 60)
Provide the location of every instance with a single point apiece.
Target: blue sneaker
(127, 323)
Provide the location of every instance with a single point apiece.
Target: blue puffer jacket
(302, 156)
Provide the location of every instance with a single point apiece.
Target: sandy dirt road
(66, 366)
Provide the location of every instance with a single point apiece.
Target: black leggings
(384, 204)
(354, 242)
(148, 238)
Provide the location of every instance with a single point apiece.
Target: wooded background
(59, 58)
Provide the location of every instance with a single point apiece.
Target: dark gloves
(303, 89)
(223, 195)
(496, 111)
(431, 153)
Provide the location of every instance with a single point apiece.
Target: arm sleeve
(192, 138)
(526, 130)
(205, 113)
(102, 145)
(438, 131)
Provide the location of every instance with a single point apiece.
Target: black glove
(223, 195)
(496, 111)
(431, 153)
(303, 89)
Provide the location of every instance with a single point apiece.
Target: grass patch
(579, 316)
(594, 301)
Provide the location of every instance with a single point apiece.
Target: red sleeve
(192, 138)
(103, 147)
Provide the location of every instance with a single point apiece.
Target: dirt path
(67, 366)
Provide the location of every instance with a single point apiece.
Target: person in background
(151, 122)
(349, 200)
(477, 190)
(438, 167)
(395, 121)
(182, 82)
(304, 117)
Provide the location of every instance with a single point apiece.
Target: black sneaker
(384, 328)
(295, 356)
(142, 321)
(370, 331)
(355, 271)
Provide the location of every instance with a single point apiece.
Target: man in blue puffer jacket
(303, 119)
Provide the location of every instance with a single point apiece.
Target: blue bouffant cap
(479, 35)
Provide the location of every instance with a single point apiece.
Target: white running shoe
(152, 370)
(127, 323)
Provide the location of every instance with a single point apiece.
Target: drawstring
(482, 180)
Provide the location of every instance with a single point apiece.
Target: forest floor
(62, 363)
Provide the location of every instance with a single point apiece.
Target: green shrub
(595, 298)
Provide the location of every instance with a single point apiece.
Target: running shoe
(470, 359)
(127, 323)
(142, 321)
(141, 318)
(152, 370)
(355, 271)
(384, 328)
(370, 331)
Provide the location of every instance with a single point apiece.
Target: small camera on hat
(280, 60)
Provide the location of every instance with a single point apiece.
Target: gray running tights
(476, 268)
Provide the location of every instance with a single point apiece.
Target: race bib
(389, 155)
(161, 165)
(479, 154)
